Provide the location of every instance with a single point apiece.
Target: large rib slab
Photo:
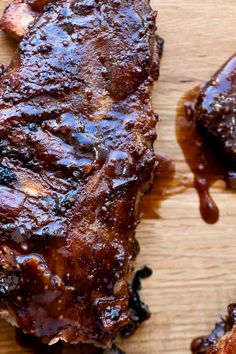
(76, 155)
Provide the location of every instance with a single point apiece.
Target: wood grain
(194, 263)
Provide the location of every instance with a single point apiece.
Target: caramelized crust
(216, 112)
(76, 155)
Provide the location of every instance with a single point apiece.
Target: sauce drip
(200, 157)
(196, 345)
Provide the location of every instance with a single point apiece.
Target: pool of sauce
(202, 160)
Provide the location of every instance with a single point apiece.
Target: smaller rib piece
(223, 338)
(216, 111)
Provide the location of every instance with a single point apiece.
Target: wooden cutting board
(194, 264)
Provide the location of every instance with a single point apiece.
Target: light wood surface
(194, 264)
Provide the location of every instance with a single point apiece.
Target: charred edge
(114, 350)
(160, 44)
(35, 345)
(139, 311)
(7, 177)
(156, 64)
(201, 345)
(2, 67)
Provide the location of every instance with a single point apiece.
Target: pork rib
(76, 155)
(223, 338)
(216, 112)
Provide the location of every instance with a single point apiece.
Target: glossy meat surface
(223, 338)
(76, 154)
(216, 112)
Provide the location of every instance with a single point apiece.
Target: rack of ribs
(76, 156)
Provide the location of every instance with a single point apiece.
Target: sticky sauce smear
(167, 183)
(204, 163)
